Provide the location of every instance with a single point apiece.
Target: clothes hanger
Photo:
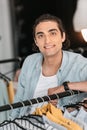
(31, 118)
(36, 100)
(77, 105)
(9, 85)
(8, 122)
(5, 78)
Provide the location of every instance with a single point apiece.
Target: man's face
(48, 38)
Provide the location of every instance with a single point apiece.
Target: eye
(40, 36)
(53, 33)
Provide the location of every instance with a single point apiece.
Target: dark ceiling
(27, 11)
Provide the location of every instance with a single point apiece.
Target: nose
(47, 39)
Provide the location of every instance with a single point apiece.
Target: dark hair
(49, 17)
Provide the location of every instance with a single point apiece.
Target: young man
(44, 73)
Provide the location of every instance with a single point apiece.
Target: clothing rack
(18, 59)
(2, 76)
(37, 100)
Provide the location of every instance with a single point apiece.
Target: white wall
(80, 16)
(6, 42)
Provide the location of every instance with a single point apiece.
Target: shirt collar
(64, 61)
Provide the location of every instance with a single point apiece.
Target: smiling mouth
(48, 47)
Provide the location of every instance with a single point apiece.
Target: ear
(63, 37)
(35, 42)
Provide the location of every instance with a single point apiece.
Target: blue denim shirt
(73, 69)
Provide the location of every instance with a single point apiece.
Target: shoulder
(32, 59)
(30, 64)
(73, 61)
(73, 55)
(34, 56)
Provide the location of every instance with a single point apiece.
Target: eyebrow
(39, 33)
(48, 31)
(53, 30)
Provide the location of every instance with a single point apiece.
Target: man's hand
(50, 92)
(55, 90)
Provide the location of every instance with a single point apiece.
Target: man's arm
(80, 86)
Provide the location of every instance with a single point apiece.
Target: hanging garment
(10, 89)
(56, 115)
(3, 100)
(30, 122)
(82, 115)
(72, 116)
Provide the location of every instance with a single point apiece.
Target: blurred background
(17, 18)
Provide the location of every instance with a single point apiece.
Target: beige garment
(54, 114)
(10, 90)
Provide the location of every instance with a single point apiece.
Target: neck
(53, 60)
(51, 65)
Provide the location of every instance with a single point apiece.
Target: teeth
(48, 46)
